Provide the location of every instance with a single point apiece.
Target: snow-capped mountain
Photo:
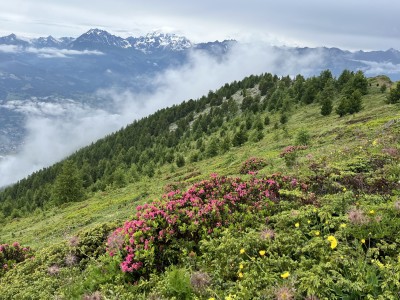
(76, 68)
(98, 39)
(160, 41)
(50, 42)
(12, 39)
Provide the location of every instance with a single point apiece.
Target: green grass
(339, 143)
(329, 135)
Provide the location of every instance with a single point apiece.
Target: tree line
(236, 113)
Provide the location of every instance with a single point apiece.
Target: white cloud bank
(56, 130)
(47, 52)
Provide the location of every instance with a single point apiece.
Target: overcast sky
(348, 24)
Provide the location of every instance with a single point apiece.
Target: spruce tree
(341, 110)
(354, 102)
(239, 138)
(394, 95)
(326, 107)
(68, 186)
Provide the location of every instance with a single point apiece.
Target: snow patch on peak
(159, 40)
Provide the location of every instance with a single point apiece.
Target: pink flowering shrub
(11, 255)
(161, 230)
(253, 164)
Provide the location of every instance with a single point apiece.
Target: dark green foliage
(212, 148)
(267, 121)
(303, 137)
(354, 102)
(256, 136)
(311, 87)
(383, 88)
(325, 77)
(341, 109)
(344, 79)
(68, 186)
(359, 82)
(394, 95)
(226, 144)
(258, 125)
(350, 104)
(326, 107)
(326, 97)
(283, 119)
(239, 138)
(180, 161)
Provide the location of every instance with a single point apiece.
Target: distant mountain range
(97, 59)
(102, 40)
(72, 67)
(49, 69)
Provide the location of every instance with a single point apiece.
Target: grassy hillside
(320, 222)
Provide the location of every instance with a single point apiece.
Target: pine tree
(68, 186)
(180, 161)
(326, 107)
(212, 148)
(354, 102)
(326, 97)
(239, 138)
(394, 95)
(341, 110)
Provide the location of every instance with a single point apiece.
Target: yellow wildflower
(262, 252)
(242, 251)
(308, 221)
(317, 233)
(285, 275)
(371, 211)
(297, 225)
(374, 143)
(362, 241)
(344, 189)
(241, 266)
(343, 225)
(211, 298)
(240, 275)
(333, 241)
(314, 210)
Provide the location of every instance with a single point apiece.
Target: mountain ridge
(98, 37)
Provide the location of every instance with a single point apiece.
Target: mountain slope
(326, 227)
(55, 70)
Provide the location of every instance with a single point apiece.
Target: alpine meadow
(270, 187)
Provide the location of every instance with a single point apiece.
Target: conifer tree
(341, 110)
(394, 95)
(326, 98)
(239, 138)
(68, 186)
(326, 107)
